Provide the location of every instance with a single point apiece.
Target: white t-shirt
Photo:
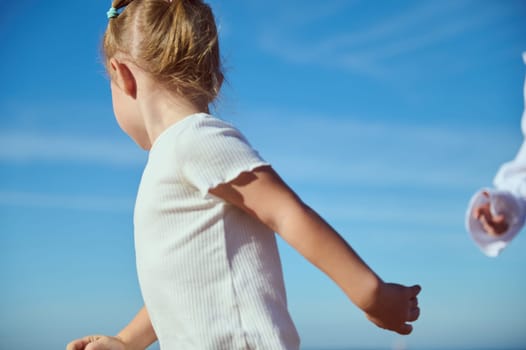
(209, 273)
(507, 198)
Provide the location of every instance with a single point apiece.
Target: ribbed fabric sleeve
(209, 273)
(217, 154)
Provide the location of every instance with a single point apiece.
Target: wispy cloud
(66, 202)
(368, 51)
(346, 150)
(392, 209)
(25, 146)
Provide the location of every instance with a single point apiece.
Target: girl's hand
(97, 342)
(494, 225)
(393, 307)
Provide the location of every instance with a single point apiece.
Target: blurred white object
(508, 198)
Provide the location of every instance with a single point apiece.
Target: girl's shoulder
(206, 128)
(197, 131)
(200, 123)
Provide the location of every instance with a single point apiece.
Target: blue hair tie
(112, 13)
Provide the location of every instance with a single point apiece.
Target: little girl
(208, 205)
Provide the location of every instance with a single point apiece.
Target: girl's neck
(161, 109)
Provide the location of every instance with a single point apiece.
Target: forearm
(319, 243)
(265, 196)
(139, 333)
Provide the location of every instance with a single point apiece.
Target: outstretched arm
(137, 335)
(263, 194)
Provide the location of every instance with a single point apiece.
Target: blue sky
(384, 116)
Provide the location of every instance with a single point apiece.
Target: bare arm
(139, 332)
(137, 335)
(264, 195)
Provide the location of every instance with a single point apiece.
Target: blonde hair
(176, 42)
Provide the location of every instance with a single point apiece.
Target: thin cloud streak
(110, 204)
(345, 151)
(393, 26)
(385, 154)
(381, 208)
(369, 51)
(22, 146)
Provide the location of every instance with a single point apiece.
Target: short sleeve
(215, 152)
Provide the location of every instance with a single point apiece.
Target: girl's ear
(123, 77)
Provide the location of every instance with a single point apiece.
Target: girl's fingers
(493, 225)
(413, 314)
(413, 303)
(499, 219)
(477, 212)
(483, 212)
(79, 344)
(412, 292)
(405, 329)
(486, 225)
(416, 289)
